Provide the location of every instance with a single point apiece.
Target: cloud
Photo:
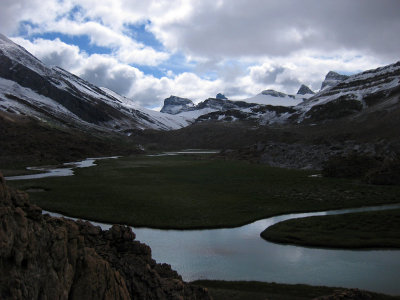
(54, 53)
(276, 28)
(35, 11)
(108, 71)
(236, 47)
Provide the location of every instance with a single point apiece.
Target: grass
(356, 230)
(252, 290)
(196, 192)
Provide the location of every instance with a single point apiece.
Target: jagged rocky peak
(221, 96)
(332, 78)
(304, 90)
(174, 105)
(274, 93)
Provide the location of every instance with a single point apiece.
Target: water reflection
(241, 254)
(54, 171)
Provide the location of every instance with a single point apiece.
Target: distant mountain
(332, 78)
(29, 87)
(305, 90)
(52, 95)
(341, 96)
(174, 105)
(372, 90)
(221, 96)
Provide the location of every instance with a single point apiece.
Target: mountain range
(50, 99)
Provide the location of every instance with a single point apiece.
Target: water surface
(241, 254)
(54, 171)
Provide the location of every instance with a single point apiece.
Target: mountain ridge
(34, 87)
(54, 95)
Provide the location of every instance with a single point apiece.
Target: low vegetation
(252, 290)
(370, 169)
(356, 230)
(196, 192)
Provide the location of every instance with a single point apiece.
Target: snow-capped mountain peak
(29, 87)
(332, 78)
(174, 105)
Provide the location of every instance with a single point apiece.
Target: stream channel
(241, 254)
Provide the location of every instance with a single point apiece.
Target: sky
(149, 50)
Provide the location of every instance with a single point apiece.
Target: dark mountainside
(42, 257)
(50, 115)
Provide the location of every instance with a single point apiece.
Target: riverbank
(253, 290)
(196, 191)
(237, 254)
(353, 231)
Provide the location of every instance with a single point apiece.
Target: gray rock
(42, 257)
(332, 78)
(304, 90)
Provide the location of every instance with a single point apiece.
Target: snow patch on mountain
(53, 94)
(17, 53)
(21, 100)
(174, 105)
(331, 79)
(280, 99)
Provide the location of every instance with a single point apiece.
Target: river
(241, 254)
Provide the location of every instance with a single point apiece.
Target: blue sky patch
(82, 41)
(139, 33)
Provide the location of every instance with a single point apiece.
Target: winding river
(241, 254)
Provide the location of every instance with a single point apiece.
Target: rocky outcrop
(221, 96)
(174, 105)
(304, 90)
(332, 78)
(42, 257)
(275, 94)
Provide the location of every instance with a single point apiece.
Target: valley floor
(200, 191)
(252, 290)
(188, 192)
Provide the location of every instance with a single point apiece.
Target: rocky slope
(332, 78)
(53, 95)
(42, 257)
(340, 96)
(29, 87)
(174, 105)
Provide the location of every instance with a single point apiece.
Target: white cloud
(54, 53)
(238, 47)
(108, 71)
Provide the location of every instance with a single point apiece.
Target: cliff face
(42, 257)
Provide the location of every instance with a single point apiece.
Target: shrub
(351, 166)
(388, 173)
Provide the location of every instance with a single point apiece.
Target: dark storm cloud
(257, 28)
